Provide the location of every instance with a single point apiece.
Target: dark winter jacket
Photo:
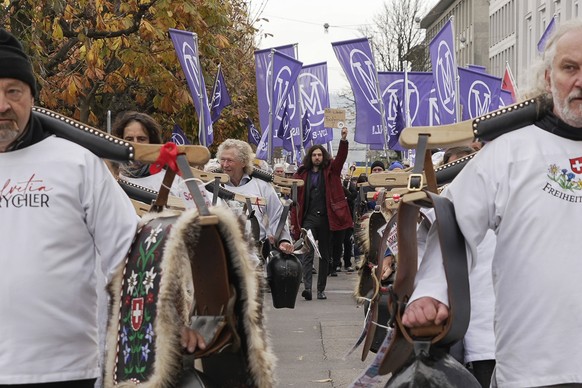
(338, 211)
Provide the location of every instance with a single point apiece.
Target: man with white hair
(279, 169)
(235, 157)
(526, 186)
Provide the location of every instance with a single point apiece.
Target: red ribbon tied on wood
(168, 155)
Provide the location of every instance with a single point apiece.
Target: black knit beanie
(14, 63)
(378, 163)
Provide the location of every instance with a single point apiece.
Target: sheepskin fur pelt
(175, 301)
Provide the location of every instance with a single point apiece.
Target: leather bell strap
(455, 264)
(423, 163)
(255, 227)
(282, 222)
(192, 185)
(452, 244)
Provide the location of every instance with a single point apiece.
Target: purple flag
(253, 133)
(480, 68)
(444, 69)
(283, 131)
(479, 93)
(396, 128)
(178, 136)
(355, 57)
(505, 98)
(420, 85)
(220, 97)
(314, 98)
(262, 69)
(418, 108)
(419, 89)
(287, 129)
(285, 73)
(392, 88)
(186, 45)
(547, 32)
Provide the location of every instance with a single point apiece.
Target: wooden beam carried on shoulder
(205, 176)
(486, 127)
(390, 179)
(441, 136)
(196, 154)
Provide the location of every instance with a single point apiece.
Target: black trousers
(337, 247)
(322, 234)
(348, 247)
(482, 370)
(90, 383)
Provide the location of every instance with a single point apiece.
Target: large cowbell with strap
(284, 275)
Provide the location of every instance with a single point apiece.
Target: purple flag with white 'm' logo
(314, 98)
(355, 57)
(186, 45)
(285, 72)
(479, 93)
(220, 96)
(178, 136)
(418, 108)
(444, 70)
(262, 69)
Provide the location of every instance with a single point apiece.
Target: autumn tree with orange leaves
(91, 56)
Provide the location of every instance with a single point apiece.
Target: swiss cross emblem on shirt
(576, 165)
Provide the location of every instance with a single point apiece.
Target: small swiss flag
(576, 165)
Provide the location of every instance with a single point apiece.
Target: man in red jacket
(321, 207)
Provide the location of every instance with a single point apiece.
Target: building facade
(513, 29)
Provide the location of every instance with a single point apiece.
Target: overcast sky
(302, 22)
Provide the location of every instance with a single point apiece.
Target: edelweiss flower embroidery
(148, 281)
(131, 283)
(153, 237)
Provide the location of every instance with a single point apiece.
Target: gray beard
(568, 115)
(8, 133)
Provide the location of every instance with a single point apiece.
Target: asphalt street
(312, 340)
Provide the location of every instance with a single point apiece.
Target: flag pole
(512, 80)
(292, 142)
(201, 124)
(457, 76)
(380, 101)
(406, 107)
(271, 111)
